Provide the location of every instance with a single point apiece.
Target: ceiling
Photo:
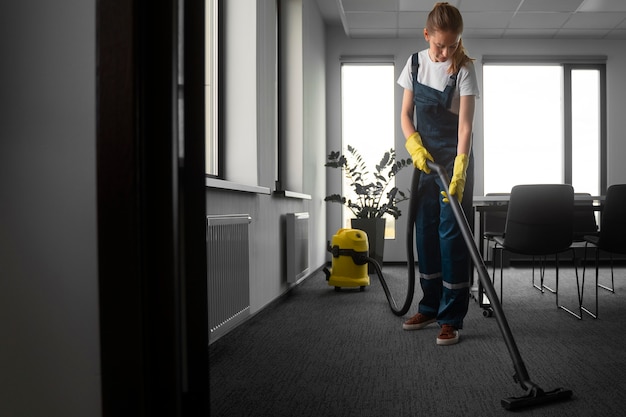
(487, 19)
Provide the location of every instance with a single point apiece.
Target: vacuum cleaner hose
(410, 239)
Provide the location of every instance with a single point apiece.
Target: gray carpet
(318, 352)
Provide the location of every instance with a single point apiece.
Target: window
(586, 129)
(543, 123)
(238, 64)
(523, 126)
(367, 119)
(210, 85)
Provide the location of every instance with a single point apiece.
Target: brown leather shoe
(418, 321)
(448, 335)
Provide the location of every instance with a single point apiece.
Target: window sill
(233, 186)
(292, 194)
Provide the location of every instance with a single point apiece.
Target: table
(500, 203)
(483, 204)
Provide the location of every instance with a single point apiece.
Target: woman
(440, 89)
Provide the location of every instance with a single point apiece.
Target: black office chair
(494, 222)
(584, 220)
(584, 223)
(611, 237)
(539, 223)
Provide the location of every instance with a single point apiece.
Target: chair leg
(583, 308)
(494, 269)
(579, 316)
(501, 266)
(539, 287)
(612, 287)
(493, 264)
(543, 274)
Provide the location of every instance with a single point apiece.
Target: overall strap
(452, 80)
(414, 65)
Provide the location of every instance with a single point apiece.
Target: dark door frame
(151, 212)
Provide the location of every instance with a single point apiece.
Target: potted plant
(374, 195)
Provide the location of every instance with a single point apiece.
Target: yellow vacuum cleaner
(350, 257)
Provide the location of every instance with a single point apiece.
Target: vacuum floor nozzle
(536, 398)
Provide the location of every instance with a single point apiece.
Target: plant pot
(375, 230)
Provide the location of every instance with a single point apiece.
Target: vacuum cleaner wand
(534, 394)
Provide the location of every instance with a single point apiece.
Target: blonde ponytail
(459, 59)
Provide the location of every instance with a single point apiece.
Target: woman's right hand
(418, 153)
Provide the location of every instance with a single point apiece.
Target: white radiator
(228, 272)
(297, 246)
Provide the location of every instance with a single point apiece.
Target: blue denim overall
(444, 261)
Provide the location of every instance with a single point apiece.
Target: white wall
(268, 278)
(337, 44)
(49, 353)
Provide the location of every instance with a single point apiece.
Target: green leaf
(372, 200)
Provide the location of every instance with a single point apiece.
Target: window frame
(569, 64)
(568, 68)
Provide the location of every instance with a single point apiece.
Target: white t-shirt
(435, 75)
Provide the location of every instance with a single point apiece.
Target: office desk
(500, 203)
(483, 204)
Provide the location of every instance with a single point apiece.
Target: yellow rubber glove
(418, 153)
(457, 184)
